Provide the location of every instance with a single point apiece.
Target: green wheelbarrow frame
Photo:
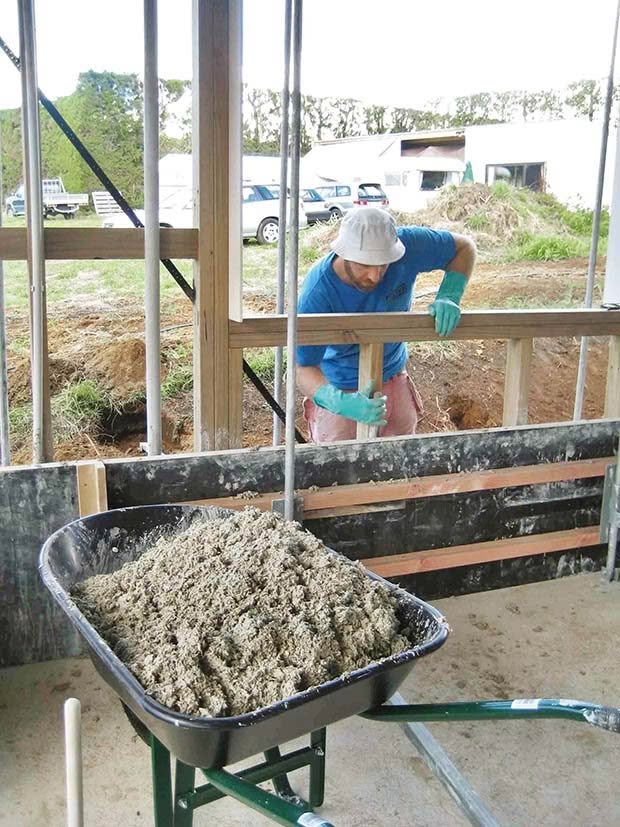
(174, 808)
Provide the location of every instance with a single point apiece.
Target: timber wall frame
(370, 331)
(220, 331)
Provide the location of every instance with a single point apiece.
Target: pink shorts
(403, 409)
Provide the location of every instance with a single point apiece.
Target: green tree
(550, 104)
(106, 113)
(170, 92)
(10, 126)
(320, 115)
(473, 109)
(374, 118)
(585, 98)
(347, 117)
(168, 143)
(403, 120)
(504, 104)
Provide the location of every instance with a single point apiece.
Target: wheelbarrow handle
(605, 717)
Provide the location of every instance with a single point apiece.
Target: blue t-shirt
(324, 292)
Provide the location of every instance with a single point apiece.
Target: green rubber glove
(359, 406)
(445, 308)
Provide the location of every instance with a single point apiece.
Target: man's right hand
(359, 406)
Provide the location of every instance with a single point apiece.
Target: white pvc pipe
(596, 221)
(73, 763)
(291, 327)
(34, 218)
(5, 454)
(152, 306)
(611, 291)
(284, 150)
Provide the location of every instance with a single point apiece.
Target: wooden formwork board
(543, 484)
(336, 501)
(391, 495)
(419, 499)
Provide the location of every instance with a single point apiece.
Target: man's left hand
(446, 313)
(445, 309)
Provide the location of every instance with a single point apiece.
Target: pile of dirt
(492, 216)
(20, 384)
(120, 366)
(235, 613)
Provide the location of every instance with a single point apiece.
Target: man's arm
(309, 379)
(465, 258)
(445, 309)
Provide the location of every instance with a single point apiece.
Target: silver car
(259, 212)
(340, 198)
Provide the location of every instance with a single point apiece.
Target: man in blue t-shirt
(372, 270)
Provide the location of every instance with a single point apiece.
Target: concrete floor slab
(554, 639)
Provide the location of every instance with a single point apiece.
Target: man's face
(364, 277)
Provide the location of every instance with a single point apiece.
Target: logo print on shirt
(397, 292)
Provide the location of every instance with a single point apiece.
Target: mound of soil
(20, 385)
(233, 614)
(120, 366)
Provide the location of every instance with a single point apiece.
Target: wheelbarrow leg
(280, 782)
(317, 768)
(183, 783)
(162, 784)
(317, 771)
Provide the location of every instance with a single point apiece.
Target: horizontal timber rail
(354, 499)
(365, 328)
(418, 562)
(77, 243)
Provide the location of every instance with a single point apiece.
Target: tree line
(106, 112)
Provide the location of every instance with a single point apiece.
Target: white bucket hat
(368, 236)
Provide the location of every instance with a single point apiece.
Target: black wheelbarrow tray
(103, 542)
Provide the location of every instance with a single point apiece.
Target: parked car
(260, 212)
(56, 200)
(316, 209)
(340, 198)
(15, 204)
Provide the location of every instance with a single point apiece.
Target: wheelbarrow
(103, 542)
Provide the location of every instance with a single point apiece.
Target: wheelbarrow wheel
(141, 731)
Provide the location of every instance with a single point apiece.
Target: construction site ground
(95, 336)
(549, 639)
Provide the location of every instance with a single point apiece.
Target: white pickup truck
(56, 200)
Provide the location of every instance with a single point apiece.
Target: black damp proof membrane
(102, 543)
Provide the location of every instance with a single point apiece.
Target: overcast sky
(398, 52)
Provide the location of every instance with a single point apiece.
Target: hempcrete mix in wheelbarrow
(233, 614)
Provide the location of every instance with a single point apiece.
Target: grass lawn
(108, 282)
(125, 279)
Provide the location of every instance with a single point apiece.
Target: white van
(342, 197)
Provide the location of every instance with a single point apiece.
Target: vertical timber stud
(370, 370)
(235, 389)
(517, 382)
(235, 86)
(235, 263)
(612, 391)
(210, 149)
(91, 486)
